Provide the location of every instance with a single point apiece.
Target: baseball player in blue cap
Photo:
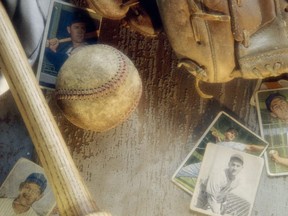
(30, 191)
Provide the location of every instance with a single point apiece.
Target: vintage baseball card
(68, 29)
(265, 84)
(26, 191)
(224, 131)
(272, 109)
(227, 182)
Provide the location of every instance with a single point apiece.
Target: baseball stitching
(104, 89)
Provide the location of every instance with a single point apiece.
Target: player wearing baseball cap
(30, 191)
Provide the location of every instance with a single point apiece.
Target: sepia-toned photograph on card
(26, 191)
(68, 29)
(224, 131)
(227, 183)
(272, 109)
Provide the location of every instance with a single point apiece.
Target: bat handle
(72, 196)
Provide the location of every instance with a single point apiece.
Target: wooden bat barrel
(72, 196)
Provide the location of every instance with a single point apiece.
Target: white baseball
(98, 87)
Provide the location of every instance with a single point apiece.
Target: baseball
(98, 87)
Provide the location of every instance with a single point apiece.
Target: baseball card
(272, 109)
(227, 182)
(224, 131)
(263, 85)
(68, 29)
(26, 191)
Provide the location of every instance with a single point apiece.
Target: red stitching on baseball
(104, 89)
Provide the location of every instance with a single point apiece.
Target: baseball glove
(111, 9)
(219, 40)
(138, 15)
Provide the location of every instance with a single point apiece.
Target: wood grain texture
(71, 194)
(130, 167)
(14, 139)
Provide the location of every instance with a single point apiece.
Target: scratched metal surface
(129, 168)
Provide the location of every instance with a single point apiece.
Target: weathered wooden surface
(72, 195)
(14, 140)
(129, 168)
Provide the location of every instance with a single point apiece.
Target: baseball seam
(129, 111)
(104, 89)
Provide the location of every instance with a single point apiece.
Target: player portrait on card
(26, 191)
(227, 183)
(68, 29)
(270, 83)
(224, 131)
(272, 108)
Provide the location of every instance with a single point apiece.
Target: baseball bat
(72, 196)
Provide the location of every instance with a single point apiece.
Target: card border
(216, 150)
(173, 179)
(39, 68)
(260, 121)
(9, 182)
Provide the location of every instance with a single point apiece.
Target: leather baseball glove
(110, 9)
(138, 15)
(219, 40)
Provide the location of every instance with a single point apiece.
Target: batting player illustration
(192, 170)
(58, 53)
(215, 190)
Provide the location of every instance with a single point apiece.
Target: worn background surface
(129, 168)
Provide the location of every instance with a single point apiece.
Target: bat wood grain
(72, 196)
